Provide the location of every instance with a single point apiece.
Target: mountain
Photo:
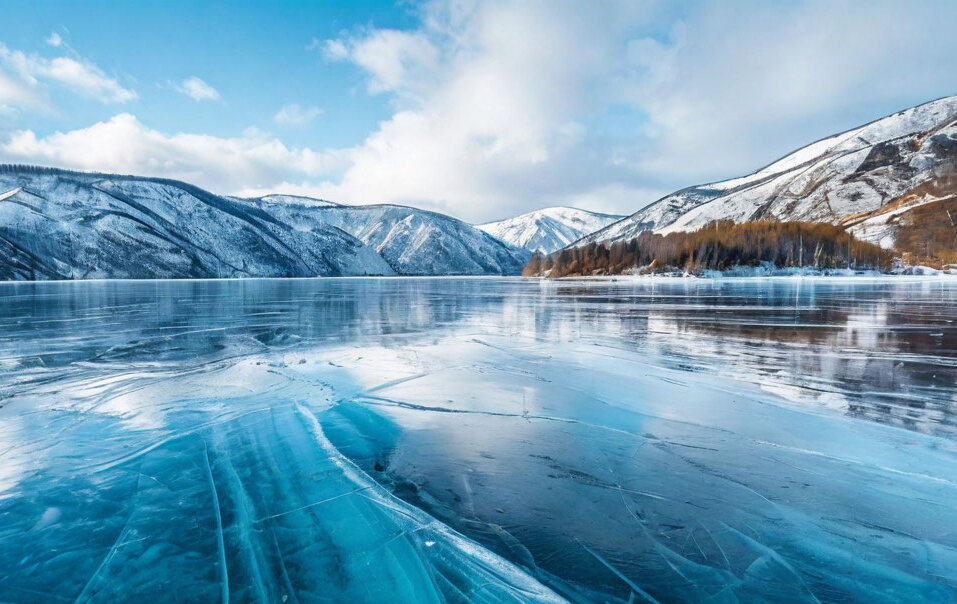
(58, 224)
(548, 229)
(291, 199)
(411, 241)
(869, 180)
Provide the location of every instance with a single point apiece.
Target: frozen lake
(479, 440)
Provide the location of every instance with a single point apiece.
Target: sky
(478, 109)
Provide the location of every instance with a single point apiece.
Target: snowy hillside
(57, 224)
(413, 241)
(68, 225)
(548, 229)
(293, 199)
(865, 178)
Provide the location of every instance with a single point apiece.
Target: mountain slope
(411, 241)
(548, 229)
(291, 199)
(866, 179)
(56, 224)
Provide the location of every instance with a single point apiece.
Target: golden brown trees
(719, 245)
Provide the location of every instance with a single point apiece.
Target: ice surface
(479, 439)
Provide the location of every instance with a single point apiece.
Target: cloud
(332, 50)
(197, 89)
(394, 60)
(17, 92)
(87, 80)
(726, 91)
(122, 144)
(294, 115)
(26, 77)
(54, 39)
(504, 106)
(492, 101)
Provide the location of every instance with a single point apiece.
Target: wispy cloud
(17, 92)
(197, 89)
(295, 115)
(54, 40)
(25, 78)
(394, 60)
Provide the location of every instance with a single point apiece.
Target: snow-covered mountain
(293, 199)
(57, 224)
(866, 178)
(412, 241)
(548, 229)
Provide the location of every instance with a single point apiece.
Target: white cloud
(124, 145)
(504, 106)
(17, 92)
(491, 100)
(498, 104)
(332, 50)
(304, 188)
(27, 75)
(394, 60)
(729, 91)
(86, 79)
(198, 90)
(294, 115)
(54, 39)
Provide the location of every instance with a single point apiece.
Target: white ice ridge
(479, 559)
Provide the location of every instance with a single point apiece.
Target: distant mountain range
(892, 182)
(881, 181)
(411, 241)
(57, 224)
(549, 229)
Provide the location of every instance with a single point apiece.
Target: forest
(928, 234)
(719, 245)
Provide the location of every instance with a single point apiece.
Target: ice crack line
(309, 505)
(387, 402)
(220, 541)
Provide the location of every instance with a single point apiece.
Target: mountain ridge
(411, 240)
(857, 172)
(547, 229)
(65, 224)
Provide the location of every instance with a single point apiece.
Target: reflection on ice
(702, 488)
(418, 440)
(236, 497)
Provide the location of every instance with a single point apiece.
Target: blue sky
(255, 54)
(481, 109)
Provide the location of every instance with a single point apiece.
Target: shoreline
(769, 271)
(943, 277)
(213, 279)
(931, 278)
